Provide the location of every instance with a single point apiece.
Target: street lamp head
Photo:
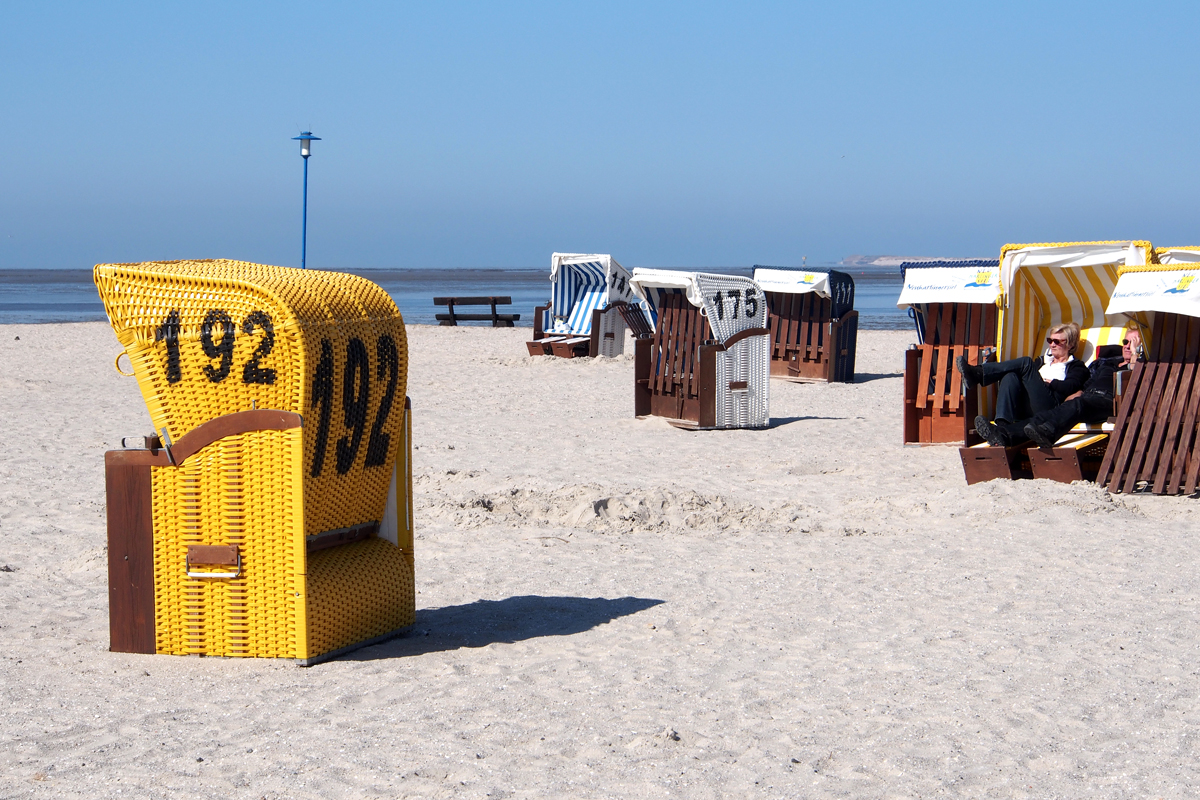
(306, 138)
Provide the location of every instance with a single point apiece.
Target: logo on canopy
(983, 278)
(808, 278)
(1185, 283)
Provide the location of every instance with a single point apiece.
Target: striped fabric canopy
(580, 284)
(1049, 284)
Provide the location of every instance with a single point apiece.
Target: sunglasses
(1059, 342)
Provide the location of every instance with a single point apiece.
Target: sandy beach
(614, 608)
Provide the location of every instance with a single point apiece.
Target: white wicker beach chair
(708, 363)
(583, 316)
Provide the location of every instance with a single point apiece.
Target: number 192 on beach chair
(707, 363)
(270, 512)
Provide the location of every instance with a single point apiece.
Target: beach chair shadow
(513, 619)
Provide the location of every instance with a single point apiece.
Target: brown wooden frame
(935, 410)
(1156, 438)
(675, 369)
(814, 338)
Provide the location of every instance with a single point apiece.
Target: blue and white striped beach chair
(589, 297)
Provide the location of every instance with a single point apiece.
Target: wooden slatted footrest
(543, 347)
(1074, 457)
(571, 347)
(985, 463)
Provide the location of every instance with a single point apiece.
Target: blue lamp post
(306, 139)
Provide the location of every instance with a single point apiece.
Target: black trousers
(1089, 407)
(1022, 392)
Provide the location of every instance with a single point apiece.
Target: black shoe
(990, 433)
(1043, 435)
(972, 376)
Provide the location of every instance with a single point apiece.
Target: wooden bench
(451, 317)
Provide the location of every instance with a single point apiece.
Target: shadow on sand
(777, 422)
(513, 619)
(867, 377)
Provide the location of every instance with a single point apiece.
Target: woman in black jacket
(1031, 385)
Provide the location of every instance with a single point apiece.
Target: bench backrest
(587, 297)
(1092, 339)
(472, 301)
(799, 321)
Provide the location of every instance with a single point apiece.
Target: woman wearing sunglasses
(1093, 404)
(1031, 385)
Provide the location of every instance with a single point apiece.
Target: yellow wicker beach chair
(1044, 285)
(270, 515)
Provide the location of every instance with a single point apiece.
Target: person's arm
(1077, 376)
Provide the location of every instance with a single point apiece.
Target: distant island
(895, 261)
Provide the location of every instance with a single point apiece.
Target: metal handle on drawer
(225, 556)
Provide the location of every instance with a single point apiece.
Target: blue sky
(691, 134)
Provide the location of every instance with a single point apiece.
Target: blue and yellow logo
(808, 278)
(1184, 284)
(981, 279)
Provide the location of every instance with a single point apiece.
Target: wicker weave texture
(612, 323)
(242, 490)
(358, 591)
(733, 304)
(335, 352)
(748, 361)
(211, 338)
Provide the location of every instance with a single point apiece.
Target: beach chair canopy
(955, 290)
(971, 281)
(1169, 287)
(580, 284)
(836, 286)
(731, 303)
(1049, 284)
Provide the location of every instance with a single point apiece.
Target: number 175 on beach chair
(270, 513)
(707, 363)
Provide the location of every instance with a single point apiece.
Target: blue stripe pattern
(653, 299)
(579, 290)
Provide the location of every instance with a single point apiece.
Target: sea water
(69, 295)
